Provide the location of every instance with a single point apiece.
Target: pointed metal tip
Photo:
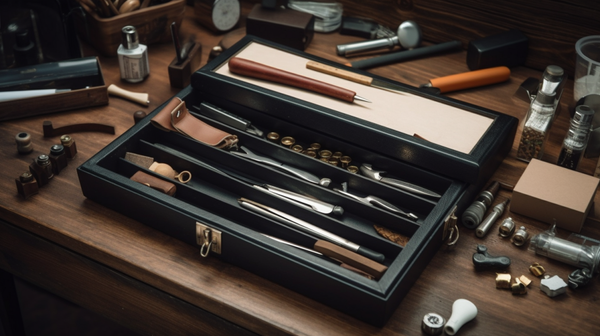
(357, 97)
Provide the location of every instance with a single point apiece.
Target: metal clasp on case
(208, 238)
(450, 232)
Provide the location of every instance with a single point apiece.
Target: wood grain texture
(552, 26)
(119, 248)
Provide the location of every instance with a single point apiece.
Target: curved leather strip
(176, 117)
(154, 182)
(50, 131)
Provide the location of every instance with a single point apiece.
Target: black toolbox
(209, 202)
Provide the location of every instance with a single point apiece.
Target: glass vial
(536, 127)
(133, 56)
(576, 138)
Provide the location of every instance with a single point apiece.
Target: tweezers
(295, 171)
(378, 202)
(301, 200)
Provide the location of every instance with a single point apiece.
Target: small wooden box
(152, 25)
(180, 75)
(94, 95)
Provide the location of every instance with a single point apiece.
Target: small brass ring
(273, 136)
(297, 148)
(352, 169)
(325, 154)
(184, 177)
(288, 141)
(315, 146)
(311, 153)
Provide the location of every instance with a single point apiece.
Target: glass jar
(576, 138)
(536, 127)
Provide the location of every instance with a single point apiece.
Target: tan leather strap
(154, 182)
(176, 117)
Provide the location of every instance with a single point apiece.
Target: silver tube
(485, 226)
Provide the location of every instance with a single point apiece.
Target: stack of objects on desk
(244, 193)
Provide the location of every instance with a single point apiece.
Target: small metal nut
(507, 227)
(518, 288)
(336, 155)
(433, 324)
(273, 137)
(333, 161)
(26, 177)
(297, 148)
(310, 153)
(315, 146)
(352, 169)
(520, 237)
(23, 140)
(345, 160)
(288, 141)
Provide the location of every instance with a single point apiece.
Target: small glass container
(536, 127)
(576, 138)
(133, 56)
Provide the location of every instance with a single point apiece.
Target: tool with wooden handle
(138, 97)
(353, 76)
(471, 79)
(250, 68)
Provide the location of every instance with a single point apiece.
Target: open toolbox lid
(464, 142)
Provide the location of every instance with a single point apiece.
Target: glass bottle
(536, 127)
(576, 138)
(133, 56)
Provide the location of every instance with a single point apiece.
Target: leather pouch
(175, 117)
(154, 182)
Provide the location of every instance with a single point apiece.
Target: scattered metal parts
(579, 278)
(27, 185)
(553, 286)
(273, 137)
(23, 140)
(520, 237)
(507, 227)
(537, 269)
(58, 158)
(524, 280)
(503, 280)
(489, 221)
(433, 324)
(50, 131)
(483, 260)
(41, 169)
(69, 144)
(518, 288)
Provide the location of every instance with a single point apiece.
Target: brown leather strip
(176, 117)
(154, 182)
(50, 131)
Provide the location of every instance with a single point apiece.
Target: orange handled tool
(470, 79)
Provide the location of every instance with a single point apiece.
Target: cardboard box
(546, 192)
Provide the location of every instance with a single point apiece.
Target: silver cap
(129, 37)
(432, 324)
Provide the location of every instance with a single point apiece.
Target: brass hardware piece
(450, 230)
(315, 146)
(518, 288)
(503, 280)
(297, 148)
(333, 161)
(311, 153)
(520, 237)
(324, 159)
(208, 238)
(352, 169)
(507, 227)
(336, 155)
(537, 269)
(345, 160)
(288, 141)
(325, 154)
(273, 137)
(524, 280)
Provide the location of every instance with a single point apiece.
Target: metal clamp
(450, 231)
(208, 238)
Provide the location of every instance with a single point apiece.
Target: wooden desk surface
(155, 284)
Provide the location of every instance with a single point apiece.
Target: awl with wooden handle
(471, 79)
(245, 67)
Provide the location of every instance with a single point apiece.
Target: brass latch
(208, 238)
(450, 231)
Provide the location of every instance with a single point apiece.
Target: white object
(463, 311)
(14, 95)
(553, 286)
(133, 57)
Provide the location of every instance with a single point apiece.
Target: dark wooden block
(281, 25)
(180, 74)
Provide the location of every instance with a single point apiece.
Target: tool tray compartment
(220, 179)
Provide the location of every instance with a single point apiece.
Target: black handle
(405, 55)
(366, 252)
(483, 260)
